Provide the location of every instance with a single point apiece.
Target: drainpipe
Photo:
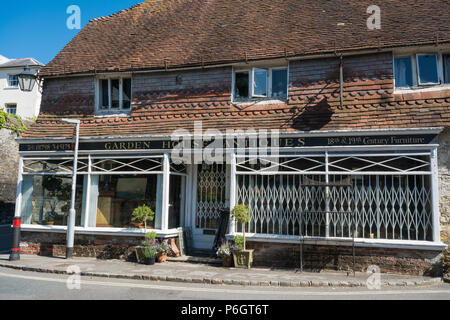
(341, 80)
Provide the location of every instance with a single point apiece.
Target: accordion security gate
(380, 195)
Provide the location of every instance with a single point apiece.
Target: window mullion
(109, 94)
(121, 93)
(269, 82)
(250, 83)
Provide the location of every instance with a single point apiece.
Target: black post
(15, 249)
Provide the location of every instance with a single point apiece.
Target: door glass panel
(176, 200)
(211, 192)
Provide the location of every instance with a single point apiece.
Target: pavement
(206, 271)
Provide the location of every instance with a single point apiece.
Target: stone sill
(359, 242)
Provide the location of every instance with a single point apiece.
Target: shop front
(377, 187)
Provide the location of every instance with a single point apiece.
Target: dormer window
(114, 94)
(421, 70)
(260, 83)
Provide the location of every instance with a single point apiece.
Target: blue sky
(37, 28)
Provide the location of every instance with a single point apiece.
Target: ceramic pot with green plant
(49, 218)
(150, 248)
(150, 237)
(242, 257)
(143, 214)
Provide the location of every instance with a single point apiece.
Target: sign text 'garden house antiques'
(322, 141)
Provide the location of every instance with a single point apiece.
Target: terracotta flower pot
(162, 257)
(50, 223)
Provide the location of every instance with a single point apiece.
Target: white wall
(28, 103)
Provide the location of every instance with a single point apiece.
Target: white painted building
(12, 99)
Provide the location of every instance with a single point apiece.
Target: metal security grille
(126, 165)
(211, 194)
(55, 165)
(381, 196)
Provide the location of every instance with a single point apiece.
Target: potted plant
(225, 252)
(142, 214)
(243, 258)
(163, 249)
(143, 251)
(150, 250)
(49, 218)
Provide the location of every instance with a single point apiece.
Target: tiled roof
(174, 33)
(373, 109)
(30, 62)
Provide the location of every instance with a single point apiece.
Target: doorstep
(188, 272)
(196, 259)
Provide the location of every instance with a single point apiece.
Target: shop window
(119, 195)
(379, 196)
(49, 195)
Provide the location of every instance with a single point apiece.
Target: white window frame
(415, 70)
(98, 95)
(91, 169)
(9, 106)
(439, 77)
(443, 65)
(251, 84)
(9, 81)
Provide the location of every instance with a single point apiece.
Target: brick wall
(444, 194)
(320, 257)
(73, 95)
(444, 184)
(93, 246)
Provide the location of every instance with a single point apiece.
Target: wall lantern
(27, 80)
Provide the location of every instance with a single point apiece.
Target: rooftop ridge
(117, 13)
